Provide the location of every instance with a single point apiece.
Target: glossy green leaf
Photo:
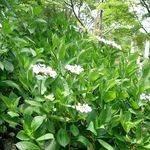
(40, 20)
(110, 84)
(33, 103)
(92, 128)
(84, 141)
(50, 126)
(63, 137)
(53, 145)
(28, 50)
(13, 114)
(134, 104)
(62, 50)
(109, 96)
(12, 121)
(93, 74)
(74, 130)
(105, 144)
(27, 146)
(36, 122)
(123, 95)
(46, 137)
(6, 100)
(104, 117)
(8, 66)
(22, 135)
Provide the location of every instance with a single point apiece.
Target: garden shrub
(61, 89)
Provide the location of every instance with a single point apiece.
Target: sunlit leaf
(36, 122)
(27, 146)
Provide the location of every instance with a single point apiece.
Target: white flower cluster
(85, 108)
(50, 97)
(74, 69)
(143, 96)
(111, 43)
(43, 69)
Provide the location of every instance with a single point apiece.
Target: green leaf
(94, 74)
(2, 51)
(8, 66)
(6, 100)
(134, 104)
(13, 114)
(105, 145)
(7, 27)
(123, 95)
(22, 135)
(12, 121)
(50, 126)
(62, 50)
(133, 57)
(40, 20)
(1, 66)
(33, 103)
(55, 40)
(20, 42)
(27, 146)
(53, 145)
(110, 84)
(74, 130)
(62, 137)
(46, 137)
(147, 146)
(36, 122)
(32, 30)
(28, 50)
(125, 121)
(104, 117)
(109, 96)
(11, 84)
(92, 128)
(84, 141)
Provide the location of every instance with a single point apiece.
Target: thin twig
(72, 6)
(145, 5)
(138, 19)
(67, 3)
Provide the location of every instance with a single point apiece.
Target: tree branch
(138, 19)
(145, 5)
(67, 4)
(72, 6)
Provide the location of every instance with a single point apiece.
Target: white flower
(50, 97)
(111, 43)
(74, 69)
(1, 25)
(143, 96)
(43, 69)
(85, 108)
(95, 13)
(36, 69)
(53, 74)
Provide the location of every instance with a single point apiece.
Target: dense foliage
(64, 89)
